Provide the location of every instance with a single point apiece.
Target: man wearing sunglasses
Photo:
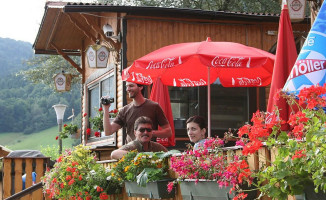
(143, 133)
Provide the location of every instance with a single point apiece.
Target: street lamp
(60, 111)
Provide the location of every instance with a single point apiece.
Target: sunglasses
(142, 130)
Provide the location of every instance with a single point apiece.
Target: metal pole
(209, 101)
(60, 140)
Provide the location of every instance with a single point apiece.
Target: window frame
(110, 140)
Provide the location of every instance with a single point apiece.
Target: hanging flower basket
(152, 190)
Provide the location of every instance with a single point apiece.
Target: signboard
(296, 9)
(62, 82)
(97, 56)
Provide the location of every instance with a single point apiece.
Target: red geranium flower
(97, 134)
(88, 131)
(85, 114)
(100, 109)
(56, 138)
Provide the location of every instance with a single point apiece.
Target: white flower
(92, 172)
(108, 178)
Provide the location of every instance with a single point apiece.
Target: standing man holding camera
(140, 106)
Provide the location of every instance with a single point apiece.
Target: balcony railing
(13, 168)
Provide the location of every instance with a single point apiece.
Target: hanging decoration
(62, 82)
(97, 56)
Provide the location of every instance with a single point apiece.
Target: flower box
(204, 190)
(153, 190)
(310, 194)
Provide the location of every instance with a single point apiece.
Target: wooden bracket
(80, 27)
(115, 45)
(65, 56)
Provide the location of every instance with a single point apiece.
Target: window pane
(108, 89)
(94, 103)
(229, 107)
(184, 104)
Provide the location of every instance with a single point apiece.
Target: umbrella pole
(209, 102)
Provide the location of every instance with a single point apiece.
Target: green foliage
(68, 129)
(141, 167)
(27, 107)
(76, 175)
(259, 6)
(50, 151)
(35, 141)
(97, 121)
(42, 67)
(12, 55)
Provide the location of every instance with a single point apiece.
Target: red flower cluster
(299, 154)
(313, 96)
(97, 134)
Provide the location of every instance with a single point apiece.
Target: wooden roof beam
(81, 28)
(65, 56)
(115, 45)
(53, 27)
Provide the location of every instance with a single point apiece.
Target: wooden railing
(15, 168)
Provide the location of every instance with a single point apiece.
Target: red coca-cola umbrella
(199, 63)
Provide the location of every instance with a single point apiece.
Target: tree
(248, 6)
(43, 66)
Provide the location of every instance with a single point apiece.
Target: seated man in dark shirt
(142, 143)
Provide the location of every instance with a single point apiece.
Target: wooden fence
(13, 170)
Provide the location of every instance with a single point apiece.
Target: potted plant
(209, 173)
(299, 160)
(76, 175)
(68, 129)
(144, 174)
(97, 121)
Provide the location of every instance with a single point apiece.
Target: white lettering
(164, 64)
(140, 78)
(249, 82)
(310, 41)
(186, 82)
(227, 62)
(306, 66)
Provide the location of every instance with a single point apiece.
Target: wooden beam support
(53, 27)
(115, 45)
(65, 56)
(81, 28)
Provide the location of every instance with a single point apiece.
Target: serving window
(230, 107)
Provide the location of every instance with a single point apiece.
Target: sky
(21, 19)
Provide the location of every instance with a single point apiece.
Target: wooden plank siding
(145, 35)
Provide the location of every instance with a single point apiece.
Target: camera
(106, 101)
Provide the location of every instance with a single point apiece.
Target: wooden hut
(71, 28)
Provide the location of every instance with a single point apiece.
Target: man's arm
(164, 132)
(109, 128)
(118, 154)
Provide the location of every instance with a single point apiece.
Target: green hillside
(34, 141)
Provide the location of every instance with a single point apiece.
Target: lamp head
(59, 111)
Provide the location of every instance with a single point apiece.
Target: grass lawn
(34, 141)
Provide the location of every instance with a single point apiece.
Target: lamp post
(60, 111)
